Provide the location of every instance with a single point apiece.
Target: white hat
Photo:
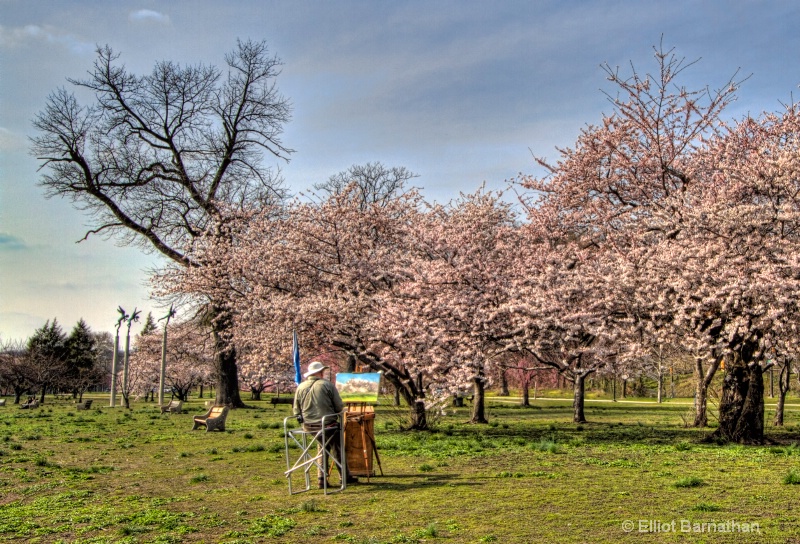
(313, 368)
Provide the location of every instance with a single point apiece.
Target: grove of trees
(668, 228)
(51, 361)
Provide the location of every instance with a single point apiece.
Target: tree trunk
(414, 397)
(741, 409)
(351, 362)
(503, 384)
(525, 391)
(478, 400)
(419, 416)
(579, 386)
(783, 389)
(227, 372)
(660, 393)
(702, 381)
(671, 383)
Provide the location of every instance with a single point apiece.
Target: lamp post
(164, 356)
(123, 316)
(133, 317)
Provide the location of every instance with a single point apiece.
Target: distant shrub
(690, 481)
(792, 478)
(199, 479)
(707, 507)
(547, 445)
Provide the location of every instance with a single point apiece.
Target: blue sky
(459, 92)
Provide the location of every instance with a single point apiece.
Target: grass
(113, 475)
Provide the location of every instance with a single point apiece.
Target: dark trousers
(333, 439)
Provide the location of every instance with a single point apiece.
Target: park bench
(458, 398)
(212, 420)
(174, 407)
(33, 403)
(85, 405)
(281, 400)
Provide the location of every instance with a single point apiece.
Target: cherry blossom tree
(611, 203)
(315, 266)
(263, 369)
(692, 221)
(748, 225)
(327, 278)
(449, 318)
(190, 358)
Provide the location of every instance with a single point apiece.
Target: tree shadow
(415, 481)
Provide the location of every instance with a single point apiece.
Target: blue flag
(298, 376)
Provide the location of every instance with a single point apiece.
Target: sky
(460, 92)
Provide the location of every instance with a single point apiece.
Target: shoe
(352, 480)
(321, 484)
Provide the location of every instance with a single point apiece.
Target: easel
(360, 440)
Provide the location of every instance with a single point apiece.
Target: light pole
(133, 317)
(123, 316)
(164, 356)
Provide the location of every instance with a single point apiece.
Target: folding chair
(306, 460)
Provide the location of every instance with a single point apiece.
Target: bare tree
(369, 184)
(158, 160)
(15, 373)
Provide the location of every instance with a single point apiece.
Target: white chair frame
(307, 460)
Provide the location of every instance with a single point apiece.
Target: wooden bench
(174, 407)
(85, 405)
(275, 401)
(212, 420)
(30, 404)
(458, 398)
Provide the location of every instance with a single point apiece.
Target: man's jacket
(316, 397)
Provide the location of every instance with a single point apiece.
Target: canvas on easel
(359, 391)
(359, 386)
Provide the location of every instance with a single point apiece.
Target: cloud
(148, 15)
(48, 34)
(10, 141)
(9, 242)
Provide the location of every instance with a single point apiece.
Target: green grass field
(634, 473)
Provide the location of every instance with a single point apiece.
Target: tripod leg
(375, 450)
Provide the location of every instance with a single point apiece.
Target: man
(317, 397)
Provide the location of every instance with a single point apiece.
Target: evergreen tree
(81, 348)
(46, 355)
(47, 341)
(149, 325)
(81, 358)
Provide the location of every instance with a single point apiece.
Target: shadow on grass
(608, 423)
(413, 481)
